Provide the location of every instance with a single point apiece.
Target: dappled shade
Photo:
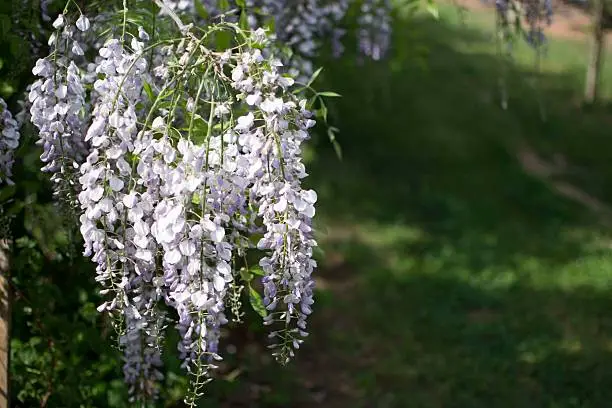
(454, 274)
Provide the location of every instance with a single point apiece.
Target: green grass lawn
(452, 277)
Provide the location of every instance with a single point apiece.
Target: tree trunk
(595, 60)
(5, 323)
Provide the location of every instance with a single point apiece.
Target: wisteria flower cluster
(9, 141)
(57, 106)
(185, 164)
(374, 28)
(513, 14)
(304, 25)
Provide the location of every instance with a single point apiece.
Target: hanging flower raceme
(538, 14)
(9, 141)
(374, 28)
(112, 218)
(184, 155)
(301, 26)
(514, 15)
(272, 147)
(57, 106)
(306, 24)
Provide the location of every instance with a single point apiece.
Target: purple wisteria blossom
(374, 28)
(535, 14)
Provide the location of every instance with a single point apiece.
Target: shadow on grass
(453, 278)
(433, 148)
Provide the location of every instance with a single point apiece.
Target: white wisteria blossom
(57, 101)
(111, 218)
(9, 141)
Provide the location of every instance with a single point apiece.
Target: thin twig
(172, 14)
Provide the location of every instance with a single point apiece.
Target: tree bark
(5, 323)
(595, 58)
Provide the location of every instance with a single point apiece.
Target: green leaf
(433, 10)
(311, 101)
(244, 21)
(149, 91)
(257, 271)
(270, 25)
(245, 275)
(201, 10)
(166, 93)
(5, 24)
(224, 40)
(337, 149)
(224, 5)
(329, 94)
(195, 199)
(256, 302)
(323, 111)
(331, 133)
(7, 192)
(241, 3)
(314, 76)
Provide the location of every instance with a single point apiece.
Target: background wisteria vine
(521, 20)
(303, 26)
(9, 141)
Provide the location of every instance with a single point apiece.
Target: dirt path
(548, 172)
